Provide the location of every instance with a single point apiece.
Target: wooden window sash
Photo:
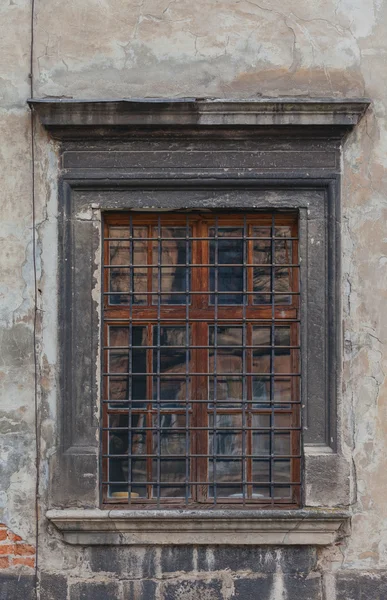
(202, 314)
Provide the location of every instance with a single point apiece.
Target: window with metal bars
(201, 359)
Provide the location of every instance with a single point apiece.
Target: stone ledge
(227, 527)
(64, 117)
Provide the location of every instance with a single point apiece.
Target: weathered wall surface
(17, 409)
(228, 49)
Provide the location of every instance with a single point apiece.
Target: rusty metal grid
(201, 360)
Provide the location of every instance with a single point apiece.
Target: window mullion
(158, 367)
(215, 354)
(187, 362)
(201, 408)
(244, 362)
(149, 410)
(130, 362)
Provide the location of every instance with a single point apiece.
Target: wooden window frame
(202, 313)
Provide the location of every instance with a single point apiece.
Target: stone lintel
(227, 527)
(62, 117)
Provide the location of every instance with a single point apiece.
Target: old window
(213, 416)
(201, 375)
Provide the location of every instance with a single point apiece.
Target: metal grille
(201, 360)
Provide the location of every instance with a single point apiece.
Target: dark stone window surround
(182, 154)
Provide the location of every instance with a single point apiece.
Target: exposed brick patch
(27, 561)
(22, 549)
(6, 548)
(4, 562)
(14, 552)
(12, 537)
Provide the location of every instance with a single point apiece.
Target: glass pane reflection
(125, 279)
(170, 359)
(118, 468)
(128, 386)
(227, 359)
(227, 251)
(173, 279)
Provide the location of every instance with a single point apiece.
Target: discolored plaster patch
(168, 49)
(17, 346)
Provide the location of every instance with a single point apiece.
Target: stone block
(301, 587)
(253, 589)
(139, 590)
(191, 589)
(53, 586)
(91, 590)
(278, 586)
(176, 558)
(136, 563)
(257, 559)
(362, 586)
(14, 586)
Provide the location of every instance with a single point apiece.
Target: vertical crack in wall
(36, 409)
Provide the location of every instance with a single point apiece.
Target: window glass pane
(261, 361)
(119, 361)
(119, 439)
(261, 364)
(228, 435)
(283, 389)
(282, 336)
(173, 277)
(262, 274)
(122, 381)
(283, 231)
(283, 420)
(128, 272)
(227, 250)
(224, 445)
(119, 435)
(282, 363)
(281, 474)
(281, 443)
(282, 284)
(261, 258)
(283, 256)
(261, 447)
(139, 476)
(261, 443)
(228, 478)
(169, 441)
(171, 478)
(170, 437)
(170, 365)
(118, 472)
(260, 476)
(225, 359)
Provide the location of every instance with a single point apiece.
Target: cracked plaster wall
(207, 48)
(17, 433)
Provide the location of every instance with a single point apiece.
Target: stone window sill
(229, 527)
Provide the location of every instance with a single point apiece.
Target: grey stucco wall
(112, 48)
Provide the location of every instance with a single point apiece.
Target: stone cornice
(65, 118)
(260, 527)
